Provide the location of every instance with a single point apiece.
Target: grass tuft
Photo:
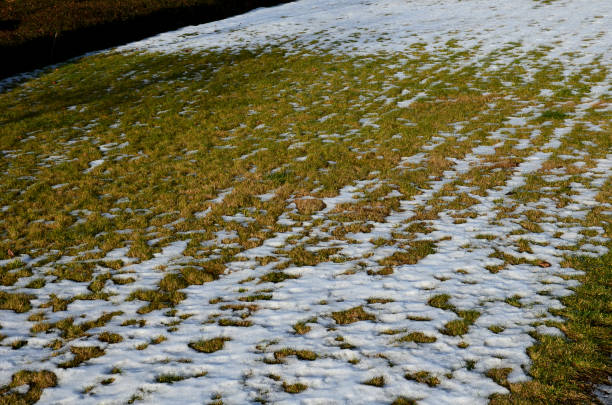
(294, 388)
(109, 337)
(37, 381)
(417, 337)
(300, 354)
(81, 354)
(423, 377)
(378, 381)
(352, 315)
(209, 345)
(17, 302)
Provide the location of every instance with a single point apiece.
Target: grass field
(297, 223)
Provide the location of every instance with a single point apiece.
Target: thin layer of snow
(202, 214)
(93, 164)
(357, 26)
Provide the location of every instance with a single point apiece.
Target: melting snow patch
(93, 165)
(203, 214)
(414, 159)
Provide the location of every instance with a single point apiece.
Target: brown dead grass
(37, 382)
(308, 206)
(81, 355)
(352, 315)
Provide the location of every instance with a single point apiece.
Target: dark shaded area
(9, 24)
(25, 53)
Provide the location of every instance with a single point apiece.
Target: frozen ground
(367, 294)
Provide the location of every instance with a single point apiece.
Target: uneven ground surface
(324, 202)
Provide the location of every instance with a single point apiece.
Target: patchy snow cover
(239, 374)
(515, 301)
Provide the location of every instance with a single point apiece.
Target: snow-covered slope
(492, 258)
(580, 27)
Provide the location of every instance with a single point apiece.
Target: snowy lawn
(324, 202)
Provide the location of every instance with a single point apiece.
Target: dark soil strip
(40, 52)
